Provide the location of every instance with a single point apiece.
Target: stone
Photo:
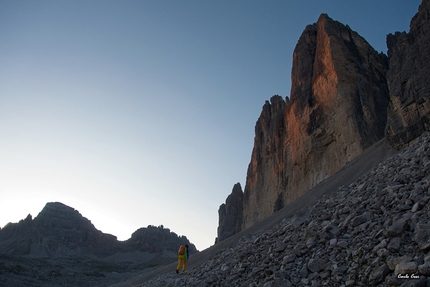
(425, 246)
(311, 242)
(422, 234)
(415, 207)
(397, 228)
(316, 265)
(379, 274)
(289, 258)
(342, 244)
(304, 272)
(380, 246)
(358, 220)
(406, 268)
(333, 242)
(394, 244)
(420, 281)
(424, 269)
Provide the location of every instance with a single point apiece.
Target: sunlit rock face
(336, 110)
(408, 80)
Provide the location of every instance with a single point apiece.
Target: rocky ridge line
(61, 247)
(374, 231)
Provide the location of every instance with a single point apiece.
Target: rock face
(344, 97)
(337, 109)
(32, 250)
(373, 232)
(409, 84)
(230, 214)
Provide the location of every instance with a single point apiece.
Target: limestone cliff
(408, 80)
(344, 97)
(336, 110)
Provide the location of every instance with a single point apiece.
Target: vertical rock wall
(337, 109)
(408, 80)
(343, 99)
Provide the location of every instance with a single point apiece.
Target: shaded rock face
(158, 239)
(336, 110)
(408, 80)
(230, 214)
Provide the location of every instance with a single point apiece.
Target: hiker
(183, 256)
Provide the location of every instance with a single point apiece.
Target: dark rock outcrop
(157, 239)
(408, 80)
(230, 214)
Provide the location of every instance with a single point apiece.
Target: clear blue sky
(141, 113)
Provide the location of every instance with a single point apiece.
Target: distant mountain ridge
(344, 97)
(60, 230)
(60, 236)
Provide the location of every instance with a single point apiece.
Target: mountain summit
(337, 109)
(344, 97)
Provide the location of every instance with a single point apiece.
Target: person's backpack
(181, 250)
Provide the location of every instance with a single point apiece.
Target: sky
(140, 113)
